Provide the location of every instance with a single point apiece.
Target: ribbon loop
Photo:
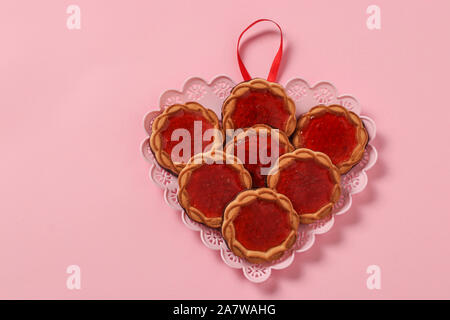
(276, 61)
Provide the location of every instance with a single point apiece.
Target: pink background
(75, 189)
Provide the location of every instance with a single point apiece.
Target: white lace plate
(212, 95)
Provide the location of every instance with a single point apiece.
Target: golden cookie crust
(232, 211)
(319, 158)
(161, 156)
(194, 163)
(361, 134)
(260, 84)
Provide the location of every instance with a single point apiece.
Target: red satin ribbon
(276, 61)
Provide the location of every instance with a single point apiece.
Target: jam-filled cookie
(335, 131)
(310, 180)
(208, 183)
(181, 132)
(259, 101)
(260, 225)
(259, 147)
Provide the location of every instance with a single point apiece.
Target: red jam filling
(211, 187)
(248, 152)
(331, 134)
(262, 225)
(307, 185)
(185, 120)
(260, 107)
